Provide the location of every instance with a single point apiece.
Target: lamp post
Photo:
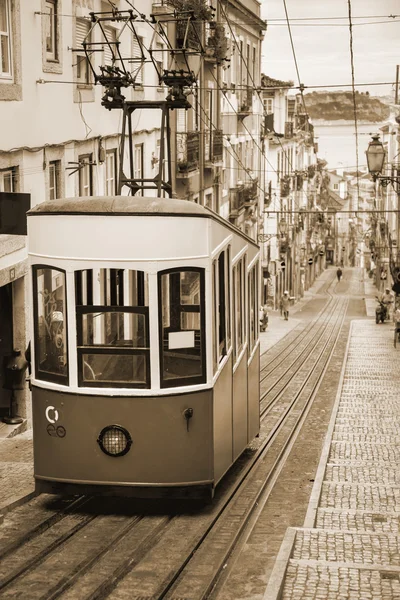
(376, 155)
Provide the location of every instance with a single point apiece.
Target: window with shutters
(110, 47)
(5, 40)
(138, 58)
(83, 75)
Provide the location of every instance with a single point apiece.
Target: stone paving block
(364, 474)
(353, 451)
(357, 521)
(366, 436)
(378, 498)
(321, 581)
(16, 449)
(20, 482)
(350, 547)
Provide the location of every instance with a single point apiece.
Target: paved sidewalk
(349, 546)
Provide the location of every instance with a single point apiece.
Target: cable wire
(354, 92)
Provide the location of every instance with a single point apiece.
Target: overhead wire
(257, 90)
(353, 90)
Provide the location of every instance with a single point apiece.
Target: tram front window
(112, 328)
(51, 355)
(182, 324)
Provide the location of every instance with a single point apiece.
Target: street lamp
(375, 160)
(266, 237)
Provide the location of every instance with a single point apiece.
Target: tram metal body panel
(240, 407)
(163, 452)
(253, 395)
(222, 421)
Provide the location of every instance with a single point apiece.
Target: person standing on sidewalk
(339, 274)
(285, 303)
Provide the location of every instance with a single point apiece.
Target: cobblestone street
(349, 547)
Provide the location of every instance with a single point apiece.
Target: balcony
(213, 147)
(245, 101)
(187, 151)
(288, 130)
(269, 123)
(241, 197)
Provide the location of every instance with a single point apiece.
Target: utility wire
(354, 93)
(335, 18)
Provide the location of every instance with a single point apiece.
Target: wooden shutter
(81, 31)
(137, 64)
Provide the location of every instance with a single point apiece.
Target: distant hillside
(332, 106)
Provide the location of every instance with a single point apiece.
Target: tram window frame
(182, 309)
(221, 307)
(239, 306)
(111, 283)
(40, 374)
(253, 308)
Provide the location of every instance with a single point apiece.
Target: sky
(323, 52)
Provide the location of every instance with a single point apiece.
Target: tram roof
(129, 206)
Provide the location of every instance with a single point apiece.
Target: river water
(337, 142)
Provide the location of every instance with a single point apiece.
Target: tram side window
(112, 313)
(50, 324)
(182, 327)
(221, 307)
(238, 306)
(253, 306)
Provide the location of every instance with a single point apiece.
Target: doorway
(6, 340)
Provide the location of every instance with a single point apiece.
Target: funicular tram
(145, 354)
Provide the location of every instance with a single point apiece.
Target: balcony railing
(213, 146)
(245, 98)
(241, 197)
(187, 150)
(269, 123)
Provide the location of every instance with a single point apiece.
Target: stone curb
(277, 578)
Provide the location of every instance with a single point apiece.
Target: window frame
(11, 171)
(49, 377)
(82, 161)
(82, 309)
(80, 58)
(7, 75)
(191, 380)
(111, 153)
(55, 165)
(52, 56)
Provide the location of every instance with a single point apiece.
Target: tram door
(6, 340)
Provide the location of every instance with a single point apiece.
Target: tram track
(179, 556)
(285, 372)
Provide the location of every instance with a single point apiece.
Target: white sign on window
(180, 339)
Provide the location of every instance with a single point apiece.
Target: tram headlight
(114, 440)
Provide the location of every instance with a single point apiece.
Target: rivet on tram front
(188, 414)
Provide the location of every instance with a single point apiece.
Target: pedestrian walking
(388, 299)
(263, 315)
(339, 274)
(285, 303)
